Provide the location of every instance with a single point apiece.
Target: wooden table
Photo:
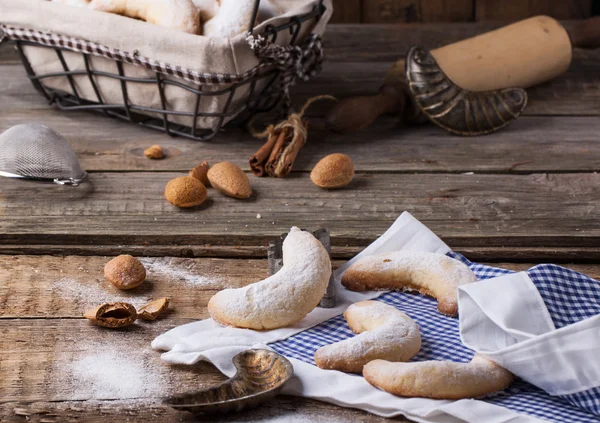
(525, 195)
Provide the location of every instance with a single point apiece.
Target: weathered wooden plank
(531, 144)
(516, 9)
(68, 286)
(362, 42)
(395, 11)
(280, 409)
(54, 360)
(537, 210)
(346, 11)
(375, 42)
(574, 93)
(53, 287)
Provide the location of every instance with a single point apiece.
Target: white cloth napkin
(506, 320)
(206, 341)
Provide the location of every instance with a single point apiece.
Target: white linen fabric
(506, 320)
(206, 341)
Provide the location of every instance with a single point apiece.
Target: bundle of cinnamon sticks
(284, 141)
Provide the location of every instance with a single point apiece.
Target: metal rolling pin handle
(275, 257)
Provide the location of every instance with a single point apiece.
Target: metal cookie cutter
(275, 256)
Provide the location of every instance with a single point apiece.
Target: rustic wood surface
(524, 195)
(518, 9)
(45, 339)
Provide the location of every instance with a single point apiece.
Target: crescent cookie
(385, 333)
(439, 379)
(77, 3)
(175, 14)
(431, 274)
(233, 18)
(284, 298)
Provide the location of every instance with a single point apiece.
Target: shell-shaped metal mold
(260, 376)
(455, 109)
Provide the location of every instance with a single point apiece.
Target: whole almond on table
(154, 152)
(200, 173)
(125, 272)
(333, 171)
(185, 191)
(230, 180)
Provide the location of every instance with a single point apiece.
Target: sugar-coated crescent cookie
(385, 333)
(233, 18)
(207, 8)
(284, 298)
(175, 14)
(431, 274)
(77, 3)
(438, 379)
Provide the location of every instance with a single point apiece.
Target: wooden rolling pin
(521, 55)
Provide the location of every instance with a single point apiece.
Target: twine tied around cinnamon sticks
(277, 156)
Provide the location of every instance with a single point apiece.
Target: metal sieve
(36, 152)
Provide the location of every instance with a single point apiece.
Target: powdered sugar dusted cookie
(284, 298)
(175, 14)
(233, 18)
(207, 8)
(385, 333)
(439, 379)
(431, 274)
(77, 3)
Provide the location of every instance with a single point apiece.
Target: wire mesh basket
(166, 97)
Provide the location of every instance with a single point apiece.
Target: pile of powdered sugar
(104, 375)
(110, 370)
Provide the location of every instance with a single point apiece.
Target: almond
(112, 315)
(125, 272)
(230, 180)
(333, 171)
(154, 152)
(185, 191)
(153, 309)
(200, 171)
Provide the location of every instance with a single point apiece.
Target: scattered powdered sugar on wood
(165, 270)
(90, 294)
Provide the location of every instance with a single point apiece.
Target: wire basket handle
(254, 16)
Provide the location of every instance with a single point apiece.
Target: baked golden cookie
(436, 275)
(439, 379)
(384, 333)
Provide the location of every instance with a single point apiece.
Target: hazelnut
(185, 191)
(154, 152)
(125, 272)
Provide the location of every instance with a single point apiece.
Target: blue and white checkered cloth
(569, 296)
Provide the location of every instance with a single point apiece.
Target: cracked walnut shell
(112, 315)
